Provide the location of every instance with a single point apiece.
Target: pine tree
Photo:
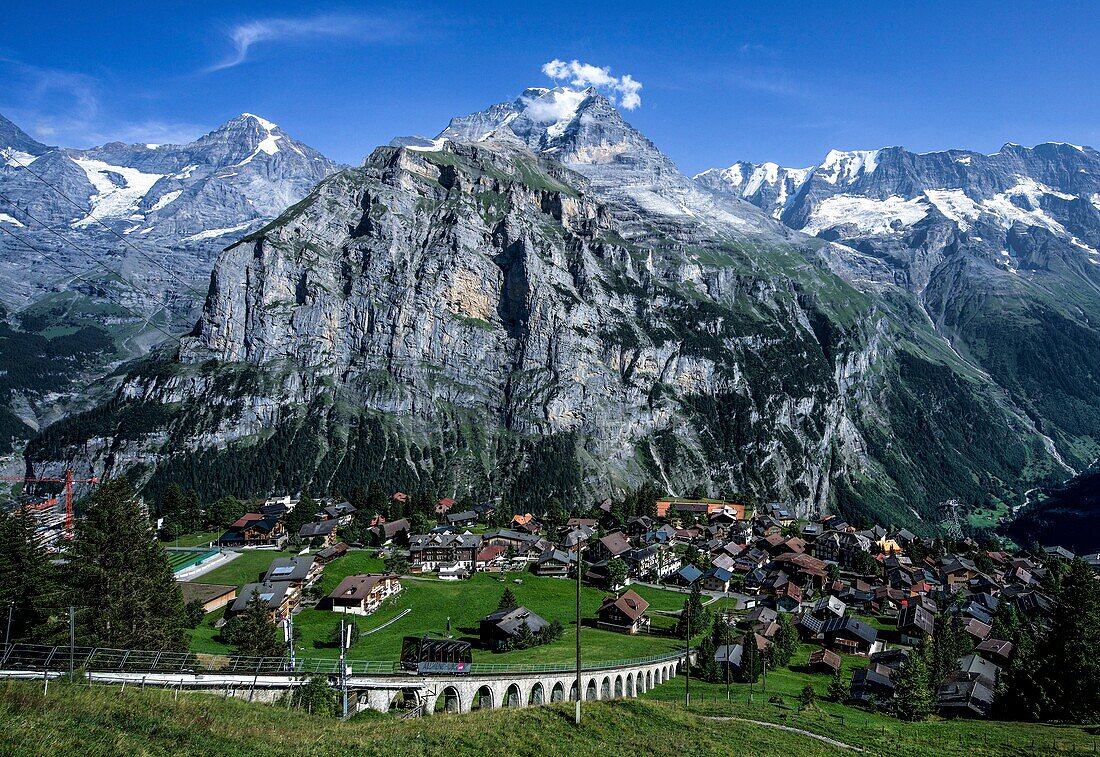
(120, 577)
(507, 599)
(27, 579)
(191, 514)
(693, 614)
(915, 697)
(224, 512)
(706, 666)
(785, 642)
(807, 697)
(950, 642)
(752, 664)
(253, 633)
(838, 692)
(1067, 658)
(722, 631)
(525, 638)
(304, 512)
(171, 509)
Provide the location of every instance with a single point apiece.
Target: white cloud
(587, 75)
(251, 33)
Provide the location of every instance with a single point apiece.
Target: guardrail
(34, 657)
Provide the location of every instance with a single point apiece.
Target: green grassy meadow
(104, 720)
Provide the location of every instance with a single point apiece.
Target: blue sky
(720, 82)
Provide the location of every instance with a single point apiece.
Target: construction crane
(68, 480)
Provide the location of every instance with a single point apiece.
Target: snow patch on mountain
(166, 199)
(5, 218)
(847, 166)
(18, 159)
(868, 215)
(118, 189)
(954, 204)
(213, 233)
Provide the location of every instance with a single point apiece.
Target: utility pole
(7, 633)
(343, 668)
(290, 638)
(72, 639)
(687, 658)
(580, 690)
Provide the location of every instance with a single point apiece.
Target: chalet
(997, 651)
(829, 607)
(975, 666)
(977, 630)
(444, 505)
(811, 531)
(575, 536)
(760, 614)
(639, 525)
(324, 531)
(715, 579)
(302, 570)
(328, 554)
(525, 523)
(808, 626)
(428, 552)
(958, 571)
(625, 612)
(964, 698)
(462, 519)
(788, 596)
(1059, 553)
(254, 530)
(391, 531)
(728, 657)
(499, 628)
(615, 544)
(850, 635)
(517, 541)
(453, 572)
(212, 596)
(723, 561)
(824, 661)
(589, 523)
(915, 622)
(554, 562)
(342, 512)
(872, 685)
(280, 597)
(686, 576)
(491, 558)
(362, 594)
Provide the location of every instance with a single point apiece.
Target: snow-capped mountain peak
(847, 167)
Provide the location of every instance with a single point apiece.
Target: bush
(316, 697)
(807, 697)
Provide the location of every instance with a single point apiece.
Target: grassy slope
(432, 602)
(107, 721)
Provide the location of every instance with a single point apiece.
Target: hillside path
(791, 729)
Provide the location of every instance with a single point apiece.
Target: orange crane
(68, 481)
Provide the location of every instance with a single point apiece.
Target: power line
(148, 321)
(82, 209)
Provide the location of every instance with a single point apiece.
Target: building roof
(462, 516)
(850, 626)
(629, 603)
(509, 620)
(295, 568)
(358, 588)
(273, 593)
(825, 657)
(689, 573)
(320, 528)
(204, 592)
(615, 543)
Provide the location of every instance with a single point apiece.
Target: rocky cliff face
(538, 305)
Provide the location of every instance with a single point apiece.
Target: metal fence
(34, 657)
